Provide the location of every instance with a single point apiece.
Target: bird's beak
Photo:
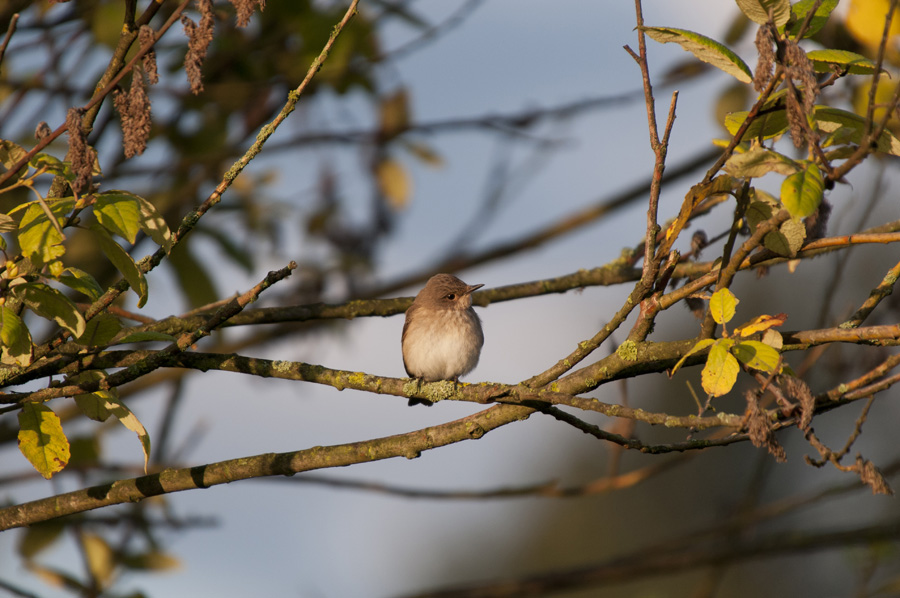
(472, 288)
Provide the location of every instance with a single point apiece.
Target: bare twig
(98, 96)
(9, 33)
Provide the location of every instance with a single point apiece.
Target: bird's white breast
(444, 345)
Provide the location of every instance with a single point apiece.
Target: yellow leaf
(100, 558)
(773, 338)
(394, 114)
(151, 561)
(101, 404)
(721, 369)
(757, 355)
(394, 182)
(722, 305)
(41, 439)
(865, 22)
(760, 323)
(425, 153)
(702, 344)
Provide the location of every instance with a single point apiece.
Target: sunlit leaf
(424, 152)
(154, 560)
(49, 303)
(774, 339)
(123, 263)
(99, 556)
(722, 306)
(830, 120)
(802, 192)
(394, 182)
(39, 238)
(153, 224)
(704, 48)
(865, 23)
(788, 239)
(760, 323)
(41, 439)
(100, 330)
(802, 8)
(15, 338)
(768, 124)
(101, 404)
(758, 10)
(757, 355)
(853, 63)
(759, 161)
(721, 369)
(120, 213)
(81, 281)
(7, 224)
(699, 346)
(10, 153)
(52, 164)
(394, 114)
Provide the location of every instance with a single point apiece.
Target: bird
(442, 336)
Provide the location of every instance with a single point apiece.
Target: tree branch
(408, 445)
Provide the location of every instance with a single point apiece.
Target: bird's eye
(451, 296)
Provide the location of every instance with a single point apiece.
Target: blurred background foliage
(339, 222)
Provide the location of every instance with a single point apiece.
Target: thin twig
(98, 96)
(9, 33)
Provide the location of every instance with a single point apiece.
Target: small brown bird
(442, 336)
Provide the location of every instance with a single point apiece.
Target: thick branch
(408, 445)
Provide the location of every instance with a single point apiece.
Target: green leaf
(41, 439)
(759, 161)
(101, 404)
(7, 224)
(146, 336)
(39, 238)
(758, 211)
(153, 224)
(699, 346)
(722, 305)
(120, 213)
(15, 338)
(757, 355)
(851, 62)
(830, 120)
(53, 165)
(721, 369)
(788, 239)
(49, 303)
(802, 192)
(704, 48)
(100, 330)
(123, 263)
(758, 10)
(766, 125)
(802, 8)
(81, 281)
(10, 153)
